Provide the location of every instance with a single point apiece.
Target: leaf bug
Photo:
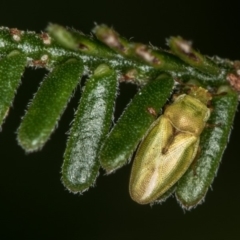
(169, 147)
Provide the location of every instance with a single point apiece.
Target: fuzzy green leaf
(193, 186)
(48, 105)
(91, 124)
(11, 69)
(184, 51)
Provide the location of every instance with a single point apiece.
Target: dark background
(34, 203)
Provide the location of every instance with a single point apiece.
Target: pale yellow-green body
(168, 149)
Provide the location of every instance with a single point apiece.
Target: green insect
(169, 147)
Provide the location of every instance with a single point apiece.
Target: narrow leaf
(183, 49)
(11, 69)
(91, 124)
(193, 186)
(48, 105)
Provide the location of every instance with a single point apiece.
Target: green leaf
(91, 124)
(48, 105)
(183, 49)
(138, 51)
(193, 186)
(134, 123)
(11, 69)
(62, 36)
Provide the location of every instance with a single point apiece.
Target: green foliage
(184, 51)
(48, 105)
(105, 58)
(11, 69)
(90, 127)
(134, 123)
(193, 186)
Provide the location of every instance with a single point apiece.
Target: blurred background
(33, 202)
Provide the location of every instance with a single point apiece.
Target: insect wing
(156, 168)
